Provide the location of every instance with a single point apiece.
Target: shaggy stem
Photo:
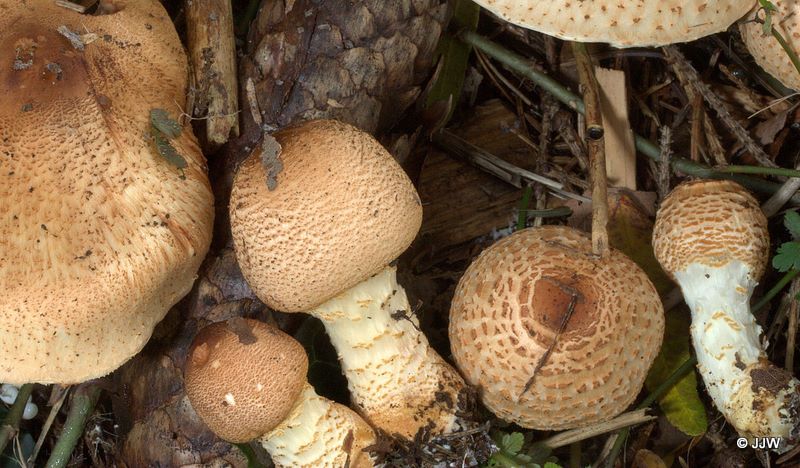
(10, 425)
(319, 433)
(525, 67)
(81, 408)
(397, 381)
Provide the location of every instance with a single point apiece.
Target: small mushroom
(247, 380)
(766, 50)
(637, 23)
(341, 210)
(553, 336)
(712, 238)
(99, 234)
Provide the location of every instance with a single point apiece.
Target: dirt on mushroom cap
(244, 377)
(99, 235)
(507, 312)
(341, 210)
(622, 24)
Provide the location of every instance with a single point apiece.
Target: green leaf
(512, 442)
(551, 465)
(792, 222)
(681, 404)
(787, 257)
(165, 148)
(454, 59)
(161, 120)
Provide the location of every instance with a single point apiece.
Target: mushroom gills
(319, 433)
(756, 397)
(392, 371)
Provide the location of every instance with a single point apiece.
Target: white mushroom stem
(396, 379)
(319, 433)
(756, 397)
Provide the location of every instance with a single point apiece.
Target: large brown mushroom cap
(766, 49)
(509, 306)
(342, 210)
(712, 222)
(622, 23)
(243, 377)
(99, 235)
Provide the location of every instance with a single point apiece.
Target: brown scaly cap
(243, 377)
(711, 222)
(99, 234)
(507, 311)
(765, 48)
(634, 23)
(342, 210)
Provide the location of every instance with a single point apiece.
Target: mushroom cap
(99, 235)
(243, 377)
(712, 222)
(341, 211)
(637, 23)
(766, 50)
(507, 311)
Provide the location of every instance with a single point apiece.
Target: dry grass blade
(630, 418)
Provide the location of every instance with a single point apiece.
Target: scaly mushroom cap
(99, 235)
(634, 23)
(508, 309)
(766, 49)
(342, 210)
(243, 377)
(712, 222)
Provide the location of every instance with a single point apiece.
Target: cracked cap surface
(508, 309)
(99, 235)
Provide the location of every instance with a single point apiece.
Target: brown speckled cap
(766, 49)
(711, 222)
(99, 235)
(509, 306)
(631, 23)
(341, 211)
(243, 377)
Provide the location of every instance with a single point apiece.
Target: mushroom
(341, 210)
(247, 380)
(712, 238)
(553, 336)
(767, 51)
(99, 234)
(635, 23)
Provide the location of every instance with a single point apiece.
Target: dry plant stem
(630, 418)
(683, 67)
(508, 172)
(594, 140)
(528, 69)
(47, 424)
(81, 408)
(11, 422)
(212, 53)
(784, 193)
(791, 332)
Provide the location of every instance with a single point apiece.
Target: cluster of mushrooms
(101, 235)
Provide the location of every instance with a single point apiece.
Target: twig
(784, 193)
(526, 68)
(502, 169)
(787, 277)
(597, 156)
(681, 64)
(791, 331)
(47, 424)
(663, 172)
(82, 404)
(10, 425)
(630, 418)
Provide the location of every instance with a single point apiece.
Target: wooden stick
(212, 54)
(597, 157)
